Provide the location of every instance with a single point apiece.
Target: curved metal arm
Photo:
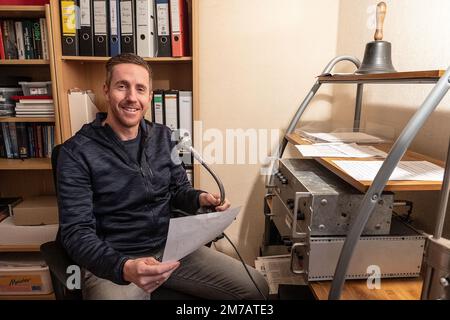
(199, 158)
(373, 194)
(307, 100)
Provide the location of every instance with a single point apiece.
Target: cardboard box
(36, 211)
(24, 274)
(12, 235)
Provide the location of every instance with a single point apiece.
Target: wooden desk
(363, 186)
(391, 289)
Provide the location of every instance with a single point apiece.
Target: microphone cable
(245, 266)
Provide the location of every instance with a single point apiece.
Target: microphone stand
(185, 142)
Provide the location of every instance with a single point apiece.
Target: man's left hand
(213, 200)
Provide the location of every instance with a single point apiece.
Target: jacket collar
(145, 126)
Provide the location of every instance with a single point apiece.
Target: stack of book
(35, 106)
(7, 104)
(24, 39)
(19, 140)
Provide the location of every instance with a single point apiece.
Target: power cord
(245, 266)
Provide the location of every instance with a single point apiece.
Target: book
(27, 28)
(44, 41)
(37, 43)
(36, 101)
(9, 39)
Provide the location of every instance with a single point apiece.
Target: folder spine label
(100, 18)
(85, 13)
(175, 15)
(113, 17)
(158, 107)
(163, 19)
(68, 16)
(126, 17)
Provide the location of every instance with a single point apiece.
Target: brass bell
(377, 56)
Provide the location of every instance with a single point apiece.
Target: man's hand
(213, 200)
(148, 273)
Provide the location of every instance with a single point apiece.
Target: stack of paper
(406, 170)
(338, 150)
(276, 270)
(35, 108)
(347, 137)
(187, 234)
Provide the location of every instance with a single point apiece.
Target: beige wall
(257, 59)
(420, 40)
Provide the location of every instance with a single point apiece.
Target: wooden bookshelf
(27, 119)
(26, 164)
(150, 60)
(11, 11)
(363, 186)
(24, 62)
(396, 77)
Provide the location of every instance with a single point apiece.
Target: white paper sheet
(339, 150)
(187, 234)
(276, 270)
(349, 137)
(406, 170)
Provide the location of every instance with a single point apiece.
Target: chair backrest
(55, 155)
(54, 253)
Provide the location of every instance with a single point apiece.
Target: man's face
(128, 95)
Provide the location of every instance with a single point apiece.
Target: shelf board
(104, 59)
(26, 164)
(12, 11)
(20, 248)
(27, 119)
(392, 289)
(50, 296)
(363, 186)
(23, 62)
(430, 76)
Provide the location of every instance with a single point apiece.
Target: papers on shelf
(347, 137)
(406, 170)
(338, 150)
(187, 234)
(276, 270)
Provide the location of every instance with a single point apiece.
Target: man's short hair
(125, 58)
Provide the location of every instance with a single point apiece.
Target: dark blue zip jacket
(112, 208)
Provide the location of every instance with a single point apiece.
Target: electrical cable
(245, 266)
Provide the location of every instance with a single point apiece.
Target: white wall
(257, 59)
(420, 40)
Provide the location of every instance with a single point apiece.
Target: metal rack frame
(396, 153)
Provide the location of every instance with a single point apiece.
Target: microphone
(185, 144)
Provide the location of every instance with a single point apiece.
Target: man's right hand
(148, 273)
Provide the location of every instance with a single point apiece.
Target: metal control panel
(321, 203)
(398, 255)
(314, 209)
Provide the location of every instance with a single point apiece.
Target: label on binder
(68, 12)
(163, 19)
(126, 16)
(85, 13)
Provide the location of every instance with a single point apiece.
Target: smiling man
(117, 187)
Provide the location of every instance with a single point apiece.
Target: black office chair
(58, 261)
